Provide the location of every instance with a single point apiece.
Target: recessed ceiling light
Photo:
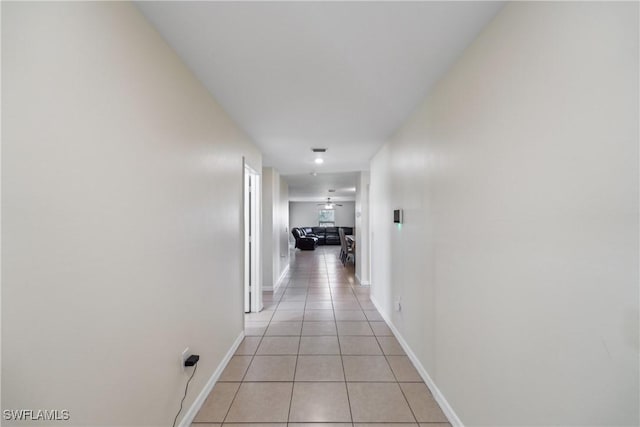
(319, 161)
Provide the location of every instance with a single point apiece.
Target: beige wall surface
(362, 228)
(281, 230)
(305, 214)
(275, 226)
(267, 226)
(122, 211)
(517, 263)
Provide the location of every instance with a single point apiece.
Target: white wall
(283, 224)
(362, 228)
(275, 223)
(121, 204)
(517, 263)
(305, 214)
(267, 228)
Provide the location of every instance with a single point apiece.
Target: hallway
(319, 352)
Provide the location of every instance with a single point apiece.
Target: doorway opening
(252, 283)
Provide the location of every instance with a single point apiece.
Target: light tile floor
(319, 353)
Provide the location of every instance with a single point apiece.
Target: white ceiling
(340, 75)
(306, 187)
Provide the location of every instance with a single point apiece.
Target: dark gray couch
(326, 235)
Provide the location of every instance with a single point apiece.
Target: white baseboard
(362, 283)
(278, 282)
(453, 418)
(281, 278)
(188, 417)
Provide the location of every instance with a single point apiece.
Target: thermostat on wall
(397, 216)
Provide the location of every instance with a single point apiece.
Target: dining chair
(346, 251)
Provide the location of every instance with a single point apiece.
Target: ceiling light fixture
(329, 204)
(319, 160)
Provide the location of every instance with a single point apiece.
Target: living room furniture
(326, 235)
(351, 243)
(309, 231)
(332, 236)
(304, 242)
(346, 250)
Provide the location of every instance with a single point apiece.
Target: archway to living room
(328, 205)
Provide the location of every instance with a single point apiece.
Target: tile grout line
(243, 377)
(397, 383)
(249, 366)
(392, 372)
(340, 290)
(344, 372)
(295, 369)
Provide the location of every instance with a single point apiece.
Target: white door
(247, 240)
(252, 215)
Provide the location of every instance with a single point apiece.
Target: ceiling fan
(329, 204)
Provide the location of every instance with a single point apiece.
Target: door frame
(252, 277)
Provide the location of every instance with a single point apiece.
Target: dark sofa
(303, 241)
(325, 235)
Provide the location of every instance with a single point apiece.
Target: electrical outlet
(184, 356)
(398, 305)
